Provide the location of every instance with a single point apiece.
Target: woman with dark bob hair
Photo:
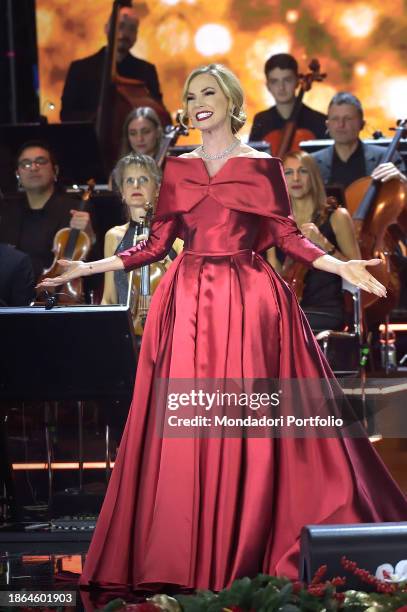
(191, 502)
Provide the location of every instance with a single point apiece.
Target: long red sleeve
(160, 240)
(289, 239)
(283, 228)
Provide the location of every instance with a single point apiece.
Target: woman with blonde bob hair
(329, 227)
(137, 178)
(190, 502)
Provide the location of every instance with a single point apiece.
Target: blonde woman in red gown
(200, 512)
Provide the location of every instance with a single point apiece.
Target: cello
(74, 245)
(289, 137)
(119, 95)
(376, 208)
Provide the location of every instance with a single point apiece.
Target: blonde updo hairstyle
(229, 85)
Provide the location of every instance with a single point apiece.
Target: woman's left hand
(354, 271)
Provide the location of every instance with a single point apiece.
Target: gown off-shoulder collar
(254, 185)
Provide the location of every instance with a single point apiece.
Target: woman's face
(138, 186)
(143, 136)
(298, 179)
(207, 105)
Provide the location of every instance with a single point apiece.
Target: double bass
(376, 208)
(289, 137)
(119, 95)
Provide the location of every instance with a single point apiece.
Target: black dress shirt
(16, 277)
(80, 97)
(270, 119)
(345, 173)
(33, 231)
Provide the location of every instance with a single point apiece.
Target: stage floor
(56, 573)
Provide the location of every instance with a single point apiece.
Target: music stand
(67, 353)
(75, 145)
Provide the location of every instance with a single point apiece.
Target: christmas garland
(273, 594)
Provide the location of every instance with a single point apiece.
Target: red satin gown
(202, 512)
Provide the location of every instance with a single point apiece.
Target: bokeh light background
(361, 45)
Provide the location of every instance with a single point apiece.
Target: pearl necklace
(222, 154)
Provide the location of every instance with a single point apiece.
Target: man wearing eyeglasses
(31, 222)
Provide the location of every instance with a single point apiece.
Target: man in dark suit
(349, 159)
(16, 277)
(83, 82)
(281, 72)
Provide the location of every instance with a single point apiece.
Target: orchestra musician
(138, 179)
(328, 226)
(81, 94)
(349, 159)
(30, 222)
(281, 71)
(142, 132)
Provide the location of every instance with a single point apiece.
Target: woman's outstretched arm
(162, 235)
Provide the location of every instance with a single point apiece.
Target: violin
(376, 208)
(119, 95)
(143, 281)
(289, 137)
(293, 271)
(74, 245)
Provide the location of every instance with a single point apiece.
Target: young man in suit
(281, 72)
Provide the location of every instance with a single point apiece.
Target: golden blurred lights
(63, 37)
(394, 96)
(360, 69)
(213, 39)
(175, 2)
(359, 20)
(320, 96)
(292, 16)
(173, 35)
(44, 19)
(257, 52)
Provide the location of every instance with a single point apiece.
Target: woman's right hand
(71, 270)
